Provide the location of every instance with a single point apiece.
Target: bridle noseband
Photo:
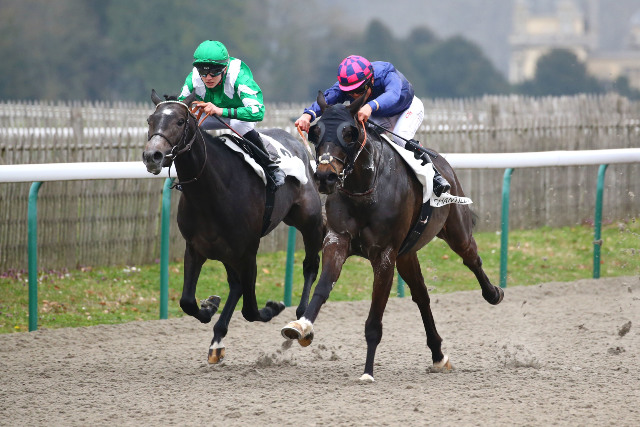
(173, 154)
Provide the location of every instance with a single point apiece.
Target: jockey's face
(212, 81)
(356, 95)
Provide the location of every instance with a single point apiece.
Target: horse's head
(338, 139)
(171, 127)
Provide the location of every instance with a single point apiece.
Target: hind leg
(458, 235)
(409, 269)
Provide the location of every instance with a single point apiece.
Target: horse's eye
(180, 122)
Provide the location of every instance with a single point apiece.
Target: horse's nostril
(332, 178)
(158, 156)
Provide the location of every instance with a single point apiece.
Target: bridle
(182, 147)
(349, 165)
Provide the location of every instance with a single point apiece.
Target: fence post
(597, 222)
(165, 221)
(288, 273)
(504, 222)
(32, 248)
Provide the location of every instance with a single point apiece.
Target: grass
(109, 295)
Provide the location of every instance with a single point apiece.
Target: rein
(187, 147)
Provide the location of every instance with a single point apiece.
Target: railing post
(165, 221)
(288, 273)
(597, 222)
(504, 222)
(32, 247)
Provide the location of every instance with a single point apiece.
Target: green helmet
(211, 52)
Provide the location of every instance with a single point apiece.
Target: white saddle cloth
(425, 176)
(290, 164)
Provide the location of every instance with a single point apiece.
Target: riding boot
(275, 175)
(440, 184)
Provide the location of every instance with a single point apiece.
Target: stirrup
(276, 175)
(440, 185)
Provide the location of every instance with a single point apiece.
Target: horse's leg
(458, 235)
(217, 348)
(409, 268)
(192, 266)
(383, 268)
(247, 276)
(334, 254)
(310, 225)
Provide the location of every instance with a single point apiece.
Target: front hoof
(293, 331)
(216, 355)
(306, 341)
(442, 366)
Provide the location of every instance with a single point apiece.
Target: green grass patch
(109, 295)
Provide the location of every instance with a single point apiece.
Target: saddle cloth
(290, 164)
(425, 176)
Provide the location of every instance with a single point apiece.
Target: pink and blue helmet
(353, 71)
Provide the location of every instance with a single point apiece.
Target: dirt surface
(553, 354)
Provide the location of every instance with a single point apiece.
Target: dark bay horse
(220, 213)
(373, 200)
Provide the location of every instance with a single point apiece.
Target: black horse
(378, 199)
(221, 209)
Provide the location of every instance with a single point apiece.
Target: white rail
(121, 170)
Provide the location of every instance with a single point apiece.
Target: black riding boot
(440, 184)
(271, 168)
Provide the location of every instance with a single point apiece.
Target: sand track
(553, 354)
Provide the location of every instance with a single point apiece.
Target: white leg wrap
(441, 364)
(366, 378)
(216, 345)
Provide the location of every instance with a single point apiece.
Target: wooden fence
(118, 222)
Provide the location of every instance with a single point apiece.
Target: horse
(221, 210)
(373, 199)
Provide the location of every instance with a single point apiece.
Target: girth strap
(418, 228)
(268, 208)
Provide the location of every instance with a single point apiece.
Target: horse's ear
(189, 99)
(154, 97)
(322, 102)
(355, 106)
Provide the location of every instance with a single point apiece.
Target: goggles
(210, 70)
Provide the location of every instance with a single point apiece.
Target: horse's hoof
(293, 331)
(442, 366)
(500, 298)
(301, 330)
(212, 303)
(366, 378)
(216, 355)
(277, 307)
(306, 341)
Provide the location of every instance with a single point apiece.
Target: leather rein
(182, 146)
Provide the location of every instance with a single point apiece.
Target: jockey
(228, 90)
(391, 103)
